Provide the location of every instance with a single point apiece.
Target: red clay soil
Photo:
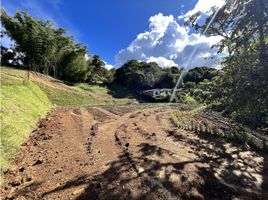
(121, 153)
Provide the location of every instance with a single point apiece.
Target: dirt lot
(126, 153)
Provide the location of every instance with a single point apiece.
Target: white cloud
(162, 62)
(108, 66)
(170, 44)
(204, 6)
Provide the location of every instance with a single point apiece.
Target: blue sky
(110, 27)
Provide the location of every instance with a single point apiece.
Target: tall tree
(97, 71)
(46, 49)
(243, 89)
(139, 75)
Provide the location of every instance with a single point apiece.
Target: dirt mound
(117, 153)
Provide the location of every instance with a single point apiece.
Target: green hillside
(23, 103)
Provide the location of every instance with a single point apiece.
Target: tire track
(94, 153)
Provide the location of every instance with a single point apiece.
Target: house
(158, 93)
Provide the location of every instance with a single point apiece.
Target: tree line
(41, 47)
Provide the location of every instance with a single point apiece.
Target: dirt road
(126, 153)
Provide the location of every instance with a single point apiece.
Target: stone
(38, 162)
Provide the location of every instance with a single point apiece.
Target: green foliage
(184, 97)
(204, 91)
(198, 88)
(141, 75)
(98, 74)
(45, 49)
(242, 89)
(189, 100)
(199, 74)
(119, 91)
(169, 78)
(201, 92)
(76, 69)
(190, 85)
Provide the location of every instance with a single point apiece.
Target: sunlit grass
(79, 98)
(22, 105)
(83, 87)
(64, 98)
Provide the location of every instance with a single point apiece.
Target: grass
(174, 119)
(79, 98)
(191, 111)
(23, 103)
(64, 98)
(11, 76)
(82, 87)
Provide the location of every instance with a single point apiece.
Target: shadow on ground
(218, 174)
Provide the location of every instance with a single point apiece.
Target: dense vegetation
(242, 90)
(41, 47)
(200, 74)
(141, 75)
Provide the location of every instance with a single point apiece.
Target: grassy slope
(64, 98)
(22, 104)
(80, 97)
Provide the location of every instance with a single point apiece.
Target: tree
(243, 88)
(169, 78)
(44, 48)
(75, 67)
(199, 74)
(98, 74)
(138, 75)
